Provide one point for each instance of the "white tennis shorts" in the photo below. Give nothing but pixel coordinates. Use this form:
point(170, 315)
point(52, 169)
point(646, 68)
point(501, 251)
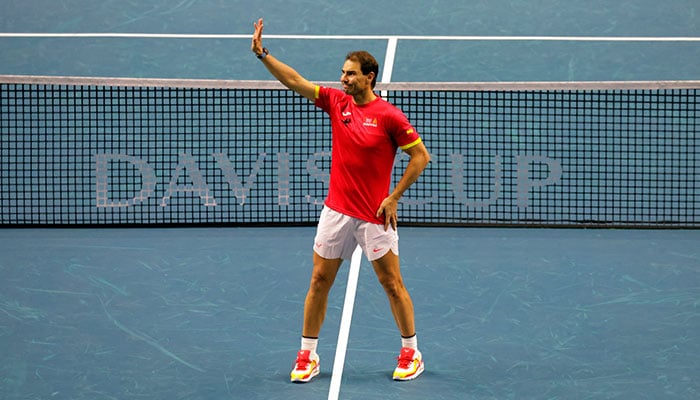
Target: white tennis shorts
point(338, 235)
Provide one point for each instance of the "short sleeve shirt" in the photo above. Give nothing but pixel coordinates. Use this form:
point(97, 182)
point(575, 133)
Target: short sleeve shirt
point(365, 142)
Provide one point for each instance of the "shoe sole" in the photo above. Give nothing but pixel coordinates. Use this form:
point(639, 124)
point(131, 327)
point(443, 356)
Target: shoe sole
point(411, 377)
point(315, 372)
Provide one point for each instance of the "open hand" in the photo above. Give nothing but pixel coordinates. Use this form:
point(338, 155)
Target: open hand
point(256, 46)
point(389, 208)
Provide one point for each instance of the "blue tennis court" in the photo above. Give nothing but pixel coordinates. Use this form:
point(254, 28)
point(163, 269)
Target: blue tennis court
point(637, 40)
point(215, 312)
point(203, 313)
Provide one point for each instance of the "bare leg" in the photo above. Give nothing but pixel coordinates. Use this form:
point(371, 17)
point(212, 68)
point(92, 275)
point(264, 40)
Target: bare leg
point(322, 278)
point(389, 274)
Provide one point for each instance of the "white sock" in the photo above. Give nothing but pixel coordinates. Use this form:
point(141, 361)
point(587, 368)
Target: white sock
point(309, 344)
point(410, 342)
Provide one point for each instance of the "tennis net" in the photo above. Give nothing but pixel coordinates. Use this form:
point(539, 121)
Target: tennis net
point(114, 151)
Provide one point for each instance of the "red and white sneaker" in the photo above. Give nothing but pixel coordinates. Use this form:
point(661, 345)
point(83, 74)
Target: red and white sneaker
point(410, 365)
point(306, 366)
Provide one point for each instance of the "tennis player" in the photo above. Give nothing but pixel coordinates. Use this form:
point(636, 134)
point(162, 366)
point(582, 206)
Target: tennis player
point(358, 209)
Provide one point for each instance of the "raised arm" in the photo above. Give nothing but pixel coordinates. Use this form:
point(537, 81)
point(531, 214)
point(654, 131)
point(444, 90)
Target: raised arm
point(283, 72)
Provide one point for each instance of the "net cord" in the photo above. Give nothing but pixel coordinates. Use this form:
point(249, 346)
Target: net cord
point(390, 86)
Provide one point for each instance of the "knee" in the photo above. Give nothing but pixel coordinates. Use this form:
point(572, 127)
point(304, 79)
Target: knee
point(320, 283)
point(393, 286)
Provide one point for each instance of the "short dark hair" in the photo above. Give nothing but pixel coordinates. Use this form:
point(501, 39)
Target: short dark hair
point(367, 63)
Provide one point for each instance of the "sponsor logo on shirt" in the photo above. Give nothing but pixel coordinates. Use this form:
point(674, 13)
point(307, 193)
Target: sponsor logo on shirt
point(346, 117)
point(370, 122)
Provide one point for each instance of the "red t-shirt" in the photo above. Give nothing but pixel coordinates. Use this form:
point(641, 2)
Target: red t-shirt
point(365, 141)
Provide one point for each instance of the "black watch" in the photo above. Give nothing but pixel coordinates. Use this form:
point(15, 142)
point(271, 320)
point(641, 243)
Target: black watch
point(264, 53)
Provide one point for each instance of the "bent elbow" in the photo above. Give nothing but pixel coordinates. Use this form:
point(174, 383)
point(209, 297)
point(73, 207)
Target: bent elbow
point(426, 157)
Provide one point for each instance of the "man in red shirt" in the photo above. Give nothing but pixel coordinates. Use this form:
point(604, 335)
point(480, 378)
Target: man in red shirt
point(359, 209)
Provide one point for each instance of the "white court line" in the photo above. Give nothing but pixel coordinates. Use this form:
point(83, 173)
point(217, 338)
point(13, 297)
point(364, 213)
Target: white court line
point(389, 60)
point(345, 321)
point(352, 37)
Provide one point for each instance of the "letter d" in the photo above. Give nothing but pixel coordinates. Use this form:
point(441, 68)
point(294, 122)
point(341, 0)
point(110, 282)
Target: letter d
point(102, 164)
